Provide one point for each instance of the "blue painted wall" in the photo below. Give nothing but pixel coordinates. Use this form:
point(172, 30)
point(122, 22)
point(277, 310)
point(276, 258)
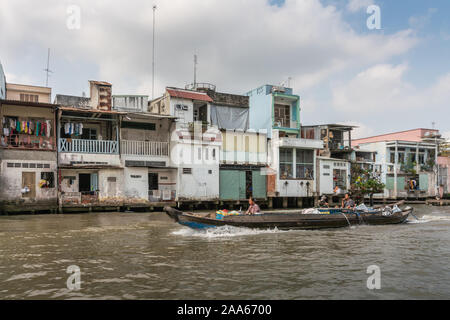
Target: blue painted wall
point(261, 109)
point(261, 100)
point(2, 83)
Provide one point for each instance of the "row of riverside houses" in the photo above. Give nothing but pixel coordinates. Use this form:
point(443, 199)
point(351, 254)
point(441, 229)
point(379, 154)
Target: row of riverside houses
point(193, 147)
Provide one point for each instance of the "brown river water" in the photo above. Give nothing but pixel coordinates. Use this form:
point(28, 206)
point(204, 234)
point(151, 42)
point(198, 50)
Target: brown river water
point(147, 256)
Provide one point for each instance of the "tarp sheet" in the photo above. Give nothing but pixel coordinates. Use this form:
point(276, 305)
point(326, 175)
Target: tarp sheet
point(230, 117)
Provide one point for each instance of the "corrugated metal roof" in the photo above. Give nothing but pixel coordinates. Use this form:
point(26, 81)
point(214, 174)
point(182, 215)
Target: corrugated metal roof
point(191, 95)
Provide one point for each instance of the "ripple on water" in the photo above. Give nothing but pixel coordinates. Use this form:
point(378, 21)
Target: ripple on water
point(24, 276)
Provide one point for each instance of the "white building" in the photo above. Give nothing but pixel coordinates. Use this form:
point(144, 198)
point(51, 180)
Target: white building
point(194, 144)
point(145, 153)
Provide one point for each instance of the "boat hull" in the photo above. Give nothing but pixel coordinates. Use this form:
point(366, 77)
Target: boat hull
point(288, 221)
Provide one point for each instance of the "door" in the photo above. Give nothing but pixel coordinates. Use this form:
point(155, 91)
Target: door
point(29, 181)
point(94, 182)
point(112, 181)
point(229, 184)
point(259, 185)
point(153, 183)
point(85, 182)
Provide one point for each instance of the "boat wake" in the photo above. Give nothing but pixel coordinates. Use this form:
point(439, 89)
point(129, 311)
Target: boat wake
point(224, 232)
point(430, 218)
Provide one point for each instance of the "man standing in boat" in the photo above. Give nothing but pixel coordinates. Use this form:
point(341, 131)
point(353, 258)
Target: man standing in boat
point(253, 208)
point(347, 202)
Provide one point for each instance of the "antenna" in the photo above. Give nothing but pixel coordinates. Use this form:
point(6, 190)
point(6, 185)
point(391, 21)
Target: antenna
point(47, 70)
point(153, 55)
point(195, 71)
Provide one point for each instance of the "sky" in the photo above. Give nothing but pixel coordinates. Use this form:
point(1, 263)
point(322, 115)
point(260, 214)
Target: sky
point(382, 80)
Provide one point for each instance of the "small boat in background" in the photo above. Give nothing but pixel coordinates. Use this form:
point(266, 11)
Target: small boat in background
point(317, 218)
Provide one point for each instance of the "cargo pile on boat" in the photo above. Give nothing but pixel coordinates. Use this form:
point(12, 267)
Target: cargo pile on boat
point(225, 213)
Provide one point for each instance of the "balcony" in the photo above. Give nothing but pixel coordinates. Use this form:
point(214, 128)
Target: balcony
point(300, 143)
point(88, 146)
point(145, 148)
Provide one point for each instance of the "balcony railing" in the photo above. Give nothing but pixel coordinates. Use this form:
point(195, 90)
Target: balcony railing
point(88, 146)
point(145, 148)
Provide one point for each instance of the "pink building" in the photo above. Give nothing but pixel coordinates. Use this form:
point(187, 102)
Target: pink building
point(414, 135)
point(444, 175)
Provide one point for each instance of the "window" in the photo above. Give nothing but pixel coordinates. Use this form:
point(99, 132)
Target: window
point(305, 164)
point(47, 180)
point(89, 134)
point(29, 97)
point(392, 157)
point(199, 150)
point(209, 171)
point(401, 157)
point(422, 158)
point(214, 154)
point(286, 164)
point(340, 179)
point(206, 154)
point(187, 170)
point(282, 115)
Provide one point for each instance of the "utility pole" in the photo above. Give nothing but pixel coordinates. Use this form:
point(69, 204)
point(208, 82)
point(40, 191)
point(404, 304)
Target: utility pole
point(153, 55)
point(47, 70)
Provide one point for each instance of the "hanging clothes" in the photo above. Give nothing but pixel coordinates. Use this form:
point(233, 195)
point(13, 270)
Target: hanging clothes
point(48, 128)
point(38, 126)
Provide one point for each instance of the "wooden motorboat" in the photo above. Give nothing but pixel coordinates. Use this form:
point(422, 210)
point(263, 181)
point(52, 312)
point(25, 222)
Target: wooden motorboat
point(323, 218)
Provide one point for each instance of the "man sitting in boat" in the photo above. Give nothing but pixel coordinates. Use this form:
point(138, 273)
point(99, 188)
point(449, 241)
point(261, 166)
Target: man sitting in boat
point(253, 208)
point(347, 202)
point(323, 203)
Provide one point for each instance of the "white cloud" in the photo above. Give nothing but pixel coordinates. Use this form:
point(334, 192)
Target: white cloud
point(356, 5)
point(241, 44)
point(383, 90)
point(362, 130)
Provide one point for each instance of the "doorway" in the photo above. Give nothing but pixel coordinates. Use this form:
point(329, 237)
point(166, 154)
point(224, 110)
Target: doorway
point(153, 184)
point(248, 184)
point(29, 181)
point(85, 182)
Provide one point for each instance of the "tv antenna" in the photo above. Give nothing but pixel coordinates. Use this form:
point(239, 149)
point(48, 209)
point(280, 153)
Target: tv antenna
point(47, 70)
point(195, 70)
point(153, 55)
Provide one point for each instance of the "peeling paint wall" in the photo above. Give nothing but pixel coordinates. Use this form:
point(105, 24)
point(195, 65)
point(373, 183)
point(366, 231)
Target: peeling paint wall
point(11, 179)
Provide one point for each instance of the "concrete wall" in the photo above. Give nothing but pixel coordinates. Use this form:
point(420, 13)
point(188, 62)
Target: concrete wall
point(136, 182)
point(243, 147)
point(261, 109)
point(325, 172)
point(14, 91)
point(107, 189)
point(130, 103)
point(203, 181)
point(13, 164)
